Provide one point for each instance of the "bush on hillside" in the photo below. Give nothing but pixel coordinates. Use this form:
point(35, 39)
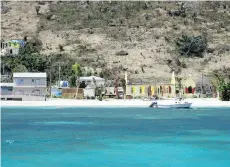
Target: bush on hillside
point(190, 46)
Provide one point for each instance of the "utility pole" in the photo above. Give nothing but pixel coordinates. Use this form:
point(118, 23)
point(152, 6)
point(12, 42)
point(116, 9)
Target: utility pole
point(50, 71)
point(126, 82)
point(59, 71)
point(59, 74)
point(50, 76)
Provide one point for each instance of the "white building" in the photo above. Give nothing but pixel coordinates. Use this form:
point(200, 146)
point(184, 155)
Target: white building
point(11, 47)
point(6, 88)
point(89, 80)
point(29, 84)
point(89, 92)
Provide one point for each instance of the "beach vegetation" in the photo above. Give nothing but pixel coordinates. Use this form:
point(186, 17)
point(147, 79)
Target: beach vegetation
point(225, 91)
point(221, 80)
point(99, 92)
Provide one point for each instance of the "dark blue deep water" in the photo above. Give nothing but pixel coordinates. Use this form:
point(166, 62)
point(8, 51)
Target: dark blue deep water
point(109, 137)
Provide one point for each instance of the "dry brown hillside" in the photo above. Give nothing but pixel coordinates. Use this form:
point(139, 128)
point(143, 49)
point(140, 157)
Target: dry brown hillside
point(137, 36)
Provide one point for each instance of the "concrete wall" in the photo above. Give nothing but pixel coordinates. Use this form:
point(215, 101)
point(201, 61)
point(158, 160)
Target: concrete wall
point(89, 92)
point(23, 98)
point(29, 91)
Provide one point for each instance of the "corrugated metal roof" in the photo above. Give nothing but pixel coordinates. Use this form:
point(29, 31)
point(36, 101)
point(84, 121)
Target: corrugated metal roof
point(29, 75)
point(7, 84)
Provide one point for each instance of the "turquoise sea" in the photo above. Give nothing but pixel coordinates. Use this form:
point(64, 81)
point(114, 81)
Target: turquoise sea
point(115, 137)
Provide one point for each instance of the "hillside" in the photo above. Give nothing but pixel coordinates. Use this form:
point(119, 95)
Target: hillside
point(135, 36)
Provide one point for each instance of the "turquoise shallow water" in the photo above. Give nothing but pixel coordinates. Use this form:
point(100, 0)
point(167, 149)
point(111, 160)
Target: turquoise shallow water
point(122, 137)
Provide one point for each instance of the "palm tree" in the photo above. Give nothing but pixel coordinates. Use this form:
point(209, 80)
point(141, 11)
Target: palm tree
point(78, 73)
point(123, 84)
point(218, 82)
point(179, 79)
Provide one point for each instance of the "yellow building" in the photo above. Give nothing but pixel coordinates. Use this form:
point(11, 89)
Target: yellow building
point(188, 87)
point(139, 90)
point(165, 90)
point(185, 86)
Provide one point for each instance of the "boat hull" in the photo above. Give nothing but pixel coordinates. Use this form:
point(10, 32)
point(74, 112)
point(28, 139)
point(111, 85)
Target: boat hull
point(184, 105)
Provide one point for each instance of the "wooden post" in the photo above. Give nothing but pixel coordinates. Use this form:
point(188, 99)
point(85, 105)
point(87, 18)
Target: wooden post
point(77, 88)
point(201, 85)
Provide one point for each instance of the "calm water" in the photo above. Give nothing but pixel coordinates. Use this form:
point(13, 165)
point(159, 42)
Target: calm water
point(131, 137)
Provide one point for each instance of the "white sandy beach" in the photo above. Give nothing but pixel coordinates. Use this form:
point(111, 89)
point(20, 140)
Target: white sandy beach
point(197, 103)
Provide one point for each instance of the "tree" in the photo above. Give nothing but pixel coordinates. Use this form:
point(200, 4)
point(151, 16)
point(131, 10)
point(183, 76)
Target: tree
point(77, 69)
point(123, 84)
point(190, 46)
point(77, 72)
point(99, 92)
point(20, 68)
point(222, 83)
point(73, 81)
point(179, 85)
point(225, 90)
point(82, 85)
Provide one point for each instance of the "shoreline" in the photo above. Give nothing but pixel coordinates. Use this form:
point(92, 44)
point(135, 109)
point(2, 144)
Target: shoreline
point(111, 103)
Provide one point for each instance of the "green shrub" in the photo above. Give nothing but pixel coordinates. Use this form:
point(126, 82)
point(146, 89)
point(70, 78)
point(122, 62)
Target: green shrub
point(190, 46)
point(225, 92)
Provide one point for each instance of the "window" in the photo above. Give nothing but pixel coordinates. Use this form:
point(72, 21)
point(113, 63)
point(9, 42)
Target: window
point(10, 89)
point(19, 81)
point(32, 80)
point(37, 81)
point(140, 90)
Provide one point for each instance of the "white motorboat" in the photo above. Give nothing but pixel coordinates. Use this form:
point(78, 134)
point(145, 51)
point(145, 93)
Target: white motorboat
point(171, 104)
